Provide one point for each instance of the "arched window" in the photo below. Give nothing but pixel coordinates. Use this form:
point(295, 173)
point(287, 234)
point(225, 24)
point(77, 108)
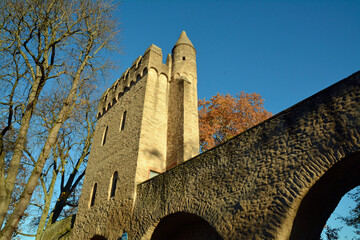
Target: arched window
point(104, 136)
point(122, 122)
point(145, 71)
point(93, 193)
point(113, 184)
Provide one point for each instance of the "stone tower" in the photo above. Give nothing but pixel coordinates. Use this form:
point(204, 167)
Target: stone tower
point(183, 137)
point(147, 123)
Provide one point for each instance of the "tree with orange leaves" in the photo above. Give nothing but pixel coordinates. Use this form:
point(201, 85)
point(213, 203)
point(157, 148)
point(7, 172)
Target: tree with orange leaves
point(224, 116)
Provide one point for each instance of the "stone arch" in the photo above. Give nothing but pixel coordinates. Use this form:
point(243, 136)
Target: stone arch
point(323, 197)
point(120, 94)
point(182, 225)
point(138, 77)
point(145, 71)
point(164, 76)
point(153, 70)
point(190, 206)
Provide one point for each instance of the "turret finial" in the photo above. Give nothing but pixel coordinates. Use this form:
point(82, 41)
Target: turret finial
point(183, 39)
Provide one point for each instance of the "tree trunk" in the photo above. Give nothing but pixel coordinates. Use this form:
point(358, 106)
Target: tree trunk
point(9, 183)
point(25, 198)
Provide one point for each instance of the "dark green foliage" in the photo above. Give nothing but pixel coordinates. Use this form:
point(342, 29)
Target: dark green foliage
point(331, 233)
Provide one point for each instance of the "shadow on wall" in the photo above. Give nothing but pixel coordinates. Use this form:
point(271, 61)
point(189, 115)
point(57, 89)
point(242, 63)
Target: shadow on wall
point(324, 196)
point(184, 226)
point(153, 152)
point(98, 237)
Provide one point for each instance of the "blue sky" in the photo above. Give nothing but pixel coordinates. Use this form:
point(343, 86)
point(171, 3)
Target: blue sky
point(284, 50)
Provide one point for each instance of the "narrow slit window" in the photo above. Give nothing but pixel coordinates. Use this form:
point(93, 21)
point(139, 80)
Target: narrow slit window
point(122, 122)
point(113, 184)
point(93, 193)
point(104, 136)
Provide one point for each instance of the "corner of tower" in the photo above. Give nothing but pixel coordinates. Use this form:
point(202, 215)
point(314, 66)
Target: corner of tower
point(153, 52)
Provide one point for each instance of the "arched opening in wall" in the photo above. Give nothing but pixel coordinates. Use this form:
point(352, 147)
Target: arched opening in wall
point(347, 209)
point(93, 194)
point(145, 72)
point(98, 237)
point(184, 226)
point(132, 83)
point(113, 185)
point(324, 196)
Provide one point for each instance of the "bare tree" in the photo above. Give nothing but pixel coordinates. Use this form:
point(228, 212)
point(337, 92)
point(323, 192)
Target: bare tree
point(68, 159)
point(43, 42)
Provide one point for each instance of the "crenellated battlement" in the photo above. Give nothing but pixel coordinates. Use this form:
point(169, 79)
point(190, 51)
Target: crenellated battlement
point(152, 59)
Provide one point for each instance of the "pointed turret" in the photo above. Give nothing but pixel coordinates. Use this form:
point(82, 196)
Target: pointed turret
point(183, 129)
point(183, 39)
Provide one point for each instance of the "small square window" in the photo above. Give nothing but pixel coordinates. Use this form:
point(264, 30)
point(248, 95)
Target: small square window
point(184, 58)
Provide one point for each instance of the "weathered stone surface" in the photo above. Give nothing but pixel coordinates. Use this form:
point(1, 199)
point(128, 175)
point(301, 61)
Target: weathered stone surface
point(278, 180)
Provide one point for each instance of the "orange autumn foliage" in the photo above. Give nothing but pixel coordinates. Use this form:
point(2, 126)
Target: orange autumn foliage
point(224, 116)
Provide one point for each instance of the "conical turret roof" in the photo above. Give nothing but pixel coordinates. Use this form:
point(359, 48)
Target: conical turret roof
point(183, 39)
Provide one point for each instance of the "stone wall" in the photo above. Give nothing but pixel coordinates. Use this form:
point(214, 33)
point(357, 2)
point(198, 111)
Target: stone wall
point(255, 185)
point(118, 154)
